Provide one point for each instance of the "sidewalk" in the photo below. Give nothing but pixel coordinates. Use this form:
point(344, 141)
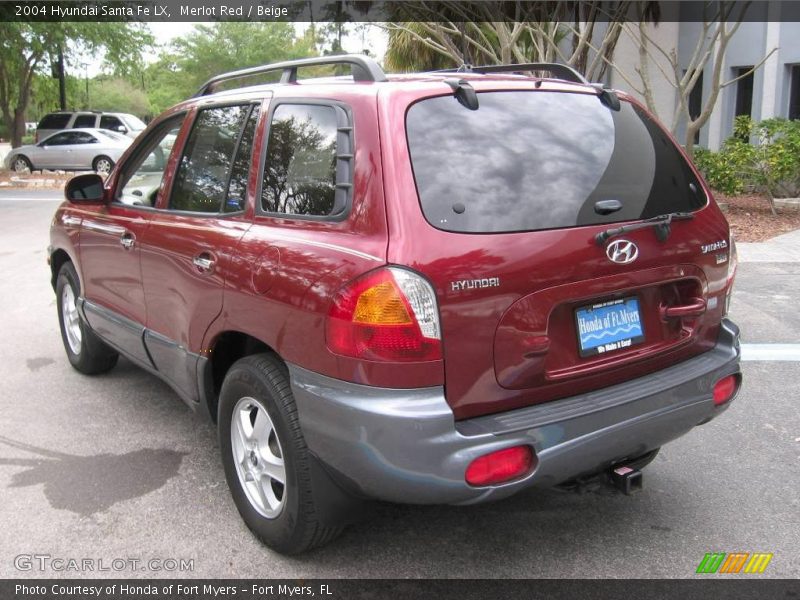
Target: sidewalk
point(782, 248)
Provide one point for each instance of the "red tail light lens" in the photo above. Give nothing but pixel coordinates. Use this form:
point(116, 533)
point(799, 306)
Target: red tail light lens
point(724, 389)
point(389, 315)
point(500, 466)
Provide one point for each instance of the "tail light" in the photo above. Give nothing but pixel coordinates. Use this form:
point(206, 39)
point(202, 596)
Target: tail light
point(387, 315)
point(733, 263)
point(500, 466)
point(725, 389)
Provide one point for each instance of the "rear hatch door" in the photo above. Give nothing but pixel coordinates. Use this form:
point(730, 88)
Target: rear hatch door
point(510, 199)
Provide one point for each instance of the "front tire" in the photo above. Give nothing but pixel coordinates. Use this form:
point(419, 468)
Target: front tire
point(85, 351)
point(276, 486)
point(21, 164)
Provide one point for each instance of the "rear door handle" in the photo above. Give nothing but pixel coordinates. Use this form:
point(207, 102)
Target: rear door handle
point(695, 308)
point(127, 240)
point(204, 262)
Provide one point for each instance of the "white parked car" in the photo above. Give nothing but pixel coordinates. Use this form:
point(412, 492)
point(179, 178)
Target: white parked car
point(71, 149)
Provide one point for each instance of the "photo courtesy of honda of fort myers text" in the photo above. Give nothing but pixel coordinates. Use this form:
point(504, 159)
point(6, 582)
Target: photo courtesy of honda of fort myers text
point(421, 299)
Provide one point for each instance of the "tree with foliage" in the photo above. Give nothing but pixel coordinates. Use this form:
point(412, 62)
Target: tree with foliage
point(510, 33)
point(211, 49)
point(571, 33)
point(720, 22)
point(28, 48)
point(115, 94)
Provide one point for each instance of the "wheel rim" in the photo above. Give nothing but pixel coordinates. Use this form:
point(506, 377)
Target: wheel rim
point(258, 457)
point(20, 165)
point(72, 326)
point(103, 166)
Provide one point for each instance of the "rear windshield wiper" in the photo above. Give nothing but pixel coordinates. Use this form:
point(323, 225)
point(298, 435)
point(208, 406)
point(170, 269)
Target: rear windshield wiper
point(661, 223)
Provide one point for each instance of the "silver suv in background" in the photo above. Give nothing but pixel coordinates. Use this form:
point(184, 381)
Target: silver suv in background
point(124, 123)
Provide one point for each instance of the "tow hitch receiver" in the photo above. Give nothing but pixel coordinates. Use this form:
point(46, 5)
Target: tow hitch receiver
point(627, 480)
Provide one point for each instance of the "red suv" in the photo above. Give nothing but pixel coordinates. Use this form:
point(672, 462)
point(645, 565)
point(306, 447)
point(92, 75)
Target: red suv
point(430, 288)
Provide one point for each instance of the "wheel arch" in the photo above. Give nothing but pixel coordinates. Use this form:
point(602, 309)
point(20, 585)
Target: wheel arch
point(58, 258)
point(222, 352)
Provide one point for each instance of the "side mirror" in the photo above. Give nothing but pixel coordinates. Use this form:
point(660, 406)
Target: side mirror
point(85, 188)
point(121, 129)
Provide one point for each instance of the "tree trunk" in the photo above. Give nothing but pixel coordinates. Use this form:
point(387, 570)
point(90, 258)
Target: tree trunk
point(18, 127)
point(688, 142)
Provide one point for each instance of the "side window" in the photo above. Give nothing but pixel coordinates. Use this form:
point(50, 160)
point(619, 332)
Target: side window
point(54, 121)
point(201, 180)
point(81, 137)
point(237, 188)
point(142, 175)
point(112, 123)
point(301, 174)
point(84, 121)
point(59, 139)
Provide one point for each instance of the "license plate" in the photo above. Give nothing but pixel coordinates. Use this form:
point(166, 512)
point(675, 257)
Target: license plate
point(608, 326)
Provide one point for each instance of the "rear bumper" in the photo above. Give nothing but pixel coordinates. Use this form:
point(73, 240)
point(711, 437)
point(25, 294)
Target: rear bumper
point(405, 446)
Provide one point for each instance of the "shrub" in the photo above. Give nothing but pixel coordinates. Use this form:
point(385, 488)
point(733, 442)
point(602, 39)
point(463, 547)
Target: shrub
point(761, 156)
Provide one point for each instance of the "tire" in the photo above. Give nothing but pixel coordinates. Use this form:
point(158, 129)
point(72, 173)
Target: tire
point(102, 165)
point(20, 164)
point(258, 424)
point(85, 351)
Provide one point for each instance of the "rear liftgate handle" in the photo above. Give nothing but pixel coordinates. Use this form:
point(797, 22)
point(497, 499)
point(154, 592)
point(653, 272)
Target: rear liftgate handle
point(695, 308)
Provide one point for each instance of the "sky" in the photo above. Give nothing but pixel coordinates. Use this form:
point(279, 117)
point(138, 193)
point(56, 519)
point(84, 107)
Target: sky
point(375, 39)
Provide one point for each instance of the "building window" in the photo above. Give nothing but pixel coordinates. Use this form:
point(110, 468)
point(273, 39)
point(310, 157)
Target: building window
point(744, 92)
point(794, 95)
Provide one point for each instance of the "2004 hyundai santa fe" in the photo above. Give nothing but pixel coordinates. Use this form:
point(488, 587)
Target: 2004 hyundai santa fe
point(429, 288)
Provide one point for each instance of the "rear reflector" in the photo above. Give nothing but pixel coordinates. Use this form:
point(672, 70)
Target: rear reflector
point(724, 389)
point(500, 466)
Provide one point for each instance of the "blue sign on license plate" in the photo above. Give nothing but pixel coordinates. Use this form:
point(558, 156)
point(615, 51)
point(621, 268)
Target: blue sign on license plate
point(609, 326)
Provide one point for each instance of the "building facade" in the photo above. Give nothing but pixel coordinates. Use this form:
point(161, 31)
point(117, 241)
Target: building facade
point(773, 90)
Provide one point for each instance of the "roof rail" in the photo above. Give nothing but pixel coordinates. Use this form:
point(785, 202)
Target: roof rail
point(557, 69)
point(363, 69)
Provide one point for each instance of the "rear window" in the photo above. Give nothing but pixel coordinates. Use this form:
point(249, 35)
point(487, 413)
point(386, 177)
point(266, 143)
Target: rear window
point(56, 121)
point(84, 121)
point(541, 160)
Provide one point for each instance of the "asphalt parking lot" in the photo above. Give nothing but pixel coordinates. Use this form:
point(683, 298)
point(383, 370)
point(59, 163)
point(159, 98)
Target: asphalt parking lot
point(117, 467)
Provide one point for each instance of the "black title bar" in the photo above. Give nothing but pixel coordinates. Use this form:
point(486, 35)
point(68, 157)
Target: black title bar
point(403, 10)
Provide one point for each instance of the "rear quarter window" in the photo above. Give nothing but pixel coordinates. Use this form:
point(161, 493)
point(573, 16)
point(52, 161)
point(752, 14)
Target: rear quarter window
point(528, 161)
point(57, 121)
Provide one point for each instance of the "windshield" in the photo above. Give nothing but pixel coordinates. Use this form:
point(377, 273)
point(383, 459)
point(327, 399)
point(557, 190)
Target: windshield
point(541, 160)
point(134, 123)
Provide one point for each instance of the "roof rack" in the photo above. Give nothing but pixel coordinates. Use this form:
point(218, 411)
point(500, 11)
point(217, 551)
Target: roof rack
point(557, 69)
point(362, 67)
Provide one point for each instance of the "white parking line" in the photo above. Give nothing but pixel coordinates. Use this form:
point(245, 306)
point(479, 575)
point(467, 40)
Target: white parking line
point(784, 352)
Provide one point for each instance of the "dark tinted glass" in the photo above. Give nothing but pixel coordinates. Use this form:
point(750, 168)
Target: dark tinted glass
point(60, 139)
point(112, 123)
point(83, 121)
point(81, 137)
point(202, 176)
point(55, 121)
point(237, 189)
point(300, 171)
point(541, 160)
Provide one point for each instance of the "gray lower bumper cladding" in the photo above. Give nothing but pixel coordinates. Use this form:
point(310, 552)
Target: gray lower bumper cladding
point(405, 446)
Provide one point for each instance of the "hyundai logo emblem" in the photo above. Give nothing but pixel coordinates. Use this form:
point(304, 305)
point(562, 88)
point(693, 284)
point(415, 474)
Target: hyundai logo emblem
point(622, 252)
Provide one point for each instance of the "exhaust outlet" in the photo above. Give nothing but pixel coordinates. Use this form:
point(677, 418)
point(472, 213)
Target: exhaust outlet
point(627, 480)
